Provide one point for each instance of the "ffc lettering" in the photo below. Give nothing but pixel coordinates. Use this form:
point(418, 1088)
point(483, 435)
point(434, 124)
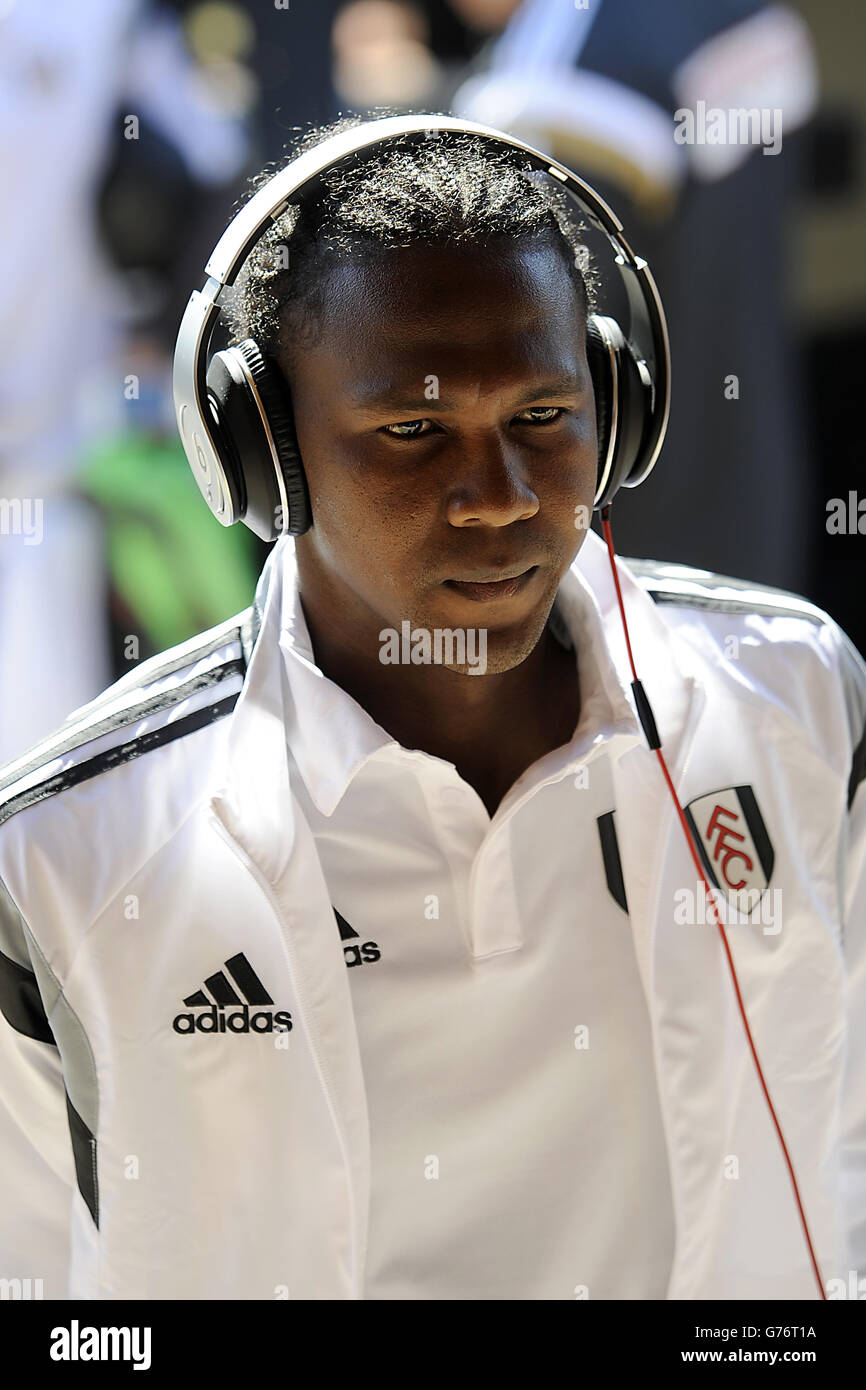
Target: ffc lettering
point(726, 833)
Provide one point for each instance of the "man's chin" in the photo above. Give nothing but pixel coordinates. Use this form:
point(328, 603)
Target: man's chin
point(489, 643)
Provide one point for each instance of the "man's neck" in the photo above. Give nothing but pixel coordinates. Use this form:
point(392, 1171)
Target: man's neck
point(491, 727)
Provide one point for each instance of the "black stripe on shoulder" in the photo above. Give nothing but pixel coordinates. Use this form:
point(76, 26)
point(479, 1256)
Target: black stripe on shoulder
point(155, 668)
point(121, 719)
point(660, 581)
point(727, 605)
point(76, 731)
point(115, 757)
point(858, 770)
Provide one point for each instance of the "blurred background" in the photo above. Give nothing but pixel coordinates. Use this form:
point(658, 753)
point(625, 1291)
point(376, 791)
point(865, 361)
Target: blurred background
point(128, 129)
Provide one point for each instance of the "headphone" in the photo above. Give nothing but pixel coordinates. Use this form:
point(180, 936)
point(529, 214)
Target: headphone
point(233, 408)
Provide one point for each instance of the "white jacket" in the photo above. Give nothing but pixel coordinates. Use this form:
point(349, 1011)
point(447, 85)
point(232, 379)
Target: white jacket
point(156, 832)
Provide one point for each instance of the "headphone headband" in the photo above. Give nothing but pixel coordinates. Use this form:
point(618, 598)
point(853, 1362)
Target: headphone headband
point(647, 330)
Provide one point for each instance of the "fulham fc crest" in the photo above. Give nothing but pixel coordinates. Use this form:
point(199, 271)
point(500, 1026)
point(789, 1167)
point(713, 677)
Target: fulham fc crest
point(735, 847)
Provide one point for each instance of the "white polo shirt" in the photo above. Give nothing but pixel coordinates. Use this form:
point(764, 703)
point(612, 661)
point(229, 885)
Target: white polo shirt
point(517, 1149)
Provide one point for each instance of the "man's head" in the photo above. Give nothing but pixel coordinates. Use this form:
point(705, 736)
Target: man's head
point(427, 311)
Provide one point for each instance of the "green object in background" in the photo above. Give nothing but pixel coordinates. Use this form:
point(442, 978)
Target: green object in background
point(173, 565)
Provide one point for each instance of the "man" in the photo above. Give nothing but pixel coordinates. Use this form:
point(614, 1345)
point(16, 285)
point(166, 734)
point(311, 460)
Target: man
point(357, 974)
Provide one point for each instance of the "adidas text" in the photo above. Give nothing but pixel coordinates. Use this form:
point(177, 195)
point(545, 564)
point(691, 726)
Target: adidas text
point(238, 1021)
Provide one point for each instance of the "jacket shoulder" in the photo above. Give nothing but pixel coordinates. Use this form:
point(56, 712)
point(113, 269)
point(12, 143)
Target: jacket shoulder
point(164, 699)
point(790, 650)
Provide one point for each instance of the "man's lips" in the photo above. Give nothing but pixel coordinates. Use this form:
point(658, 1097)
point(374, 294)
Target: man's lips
point(487, 590)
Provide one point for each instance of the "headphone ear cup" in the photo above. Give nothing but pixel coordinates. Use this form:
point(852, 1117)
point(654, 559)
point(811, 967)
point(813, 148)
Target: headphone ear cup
point(598, 357)
point(623, 399)
point(251, 404)
point(276, 401)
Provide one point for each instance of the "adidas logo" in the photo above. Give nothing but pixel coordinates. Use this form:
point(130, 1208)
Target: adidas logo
point(213, 1019)
point(355, 954)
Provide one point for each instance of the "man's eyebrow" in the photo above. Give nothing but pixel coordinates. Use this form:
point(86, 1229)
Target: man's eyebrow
point(376, 400)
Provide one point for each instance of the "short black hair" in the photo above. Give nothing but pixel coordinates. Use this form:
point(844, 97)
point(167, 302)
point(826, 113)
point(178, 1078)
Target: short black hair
point(435, 191)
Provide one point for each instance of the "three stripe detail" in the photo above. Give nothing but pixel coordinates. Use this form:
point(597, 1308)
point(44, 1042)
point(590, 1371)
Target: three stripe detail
point(223, 991)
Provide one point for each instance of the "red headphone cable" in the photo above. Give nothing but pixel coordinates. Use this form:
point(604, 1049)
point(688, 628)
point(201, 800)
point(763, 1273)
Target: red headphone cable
point(648, 724)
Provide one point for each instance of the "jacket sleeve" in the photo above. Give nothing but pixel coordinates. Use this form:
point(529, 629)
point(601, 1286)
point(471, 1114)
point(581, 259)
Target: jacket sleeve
point(37, 1171)
point(853, 1134)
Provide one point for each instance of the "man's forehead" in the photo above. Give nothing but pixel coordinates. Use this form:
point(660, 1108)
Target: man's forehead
point(416, 288)
point(522, 316)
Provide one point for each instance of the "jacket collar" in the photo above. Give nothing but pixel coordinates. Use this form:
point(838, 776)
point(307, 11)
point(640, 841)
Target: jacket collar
point(331, 736)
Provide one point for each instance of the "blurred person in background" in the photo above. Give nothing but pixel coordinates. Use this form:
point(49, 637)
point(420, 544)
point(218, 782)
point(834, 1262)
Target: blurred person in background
point(603, 87)
point(383, 56)
point(72, 81)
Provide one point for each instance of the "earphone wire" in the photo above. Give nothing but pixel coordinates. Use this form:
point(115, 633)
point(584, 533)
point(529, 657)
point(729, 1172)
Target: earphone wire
point(649, 727)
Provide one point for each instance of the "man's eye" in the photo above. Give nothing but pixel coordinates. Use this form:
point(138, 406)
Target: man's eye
point(407, 429)
point(549, 414)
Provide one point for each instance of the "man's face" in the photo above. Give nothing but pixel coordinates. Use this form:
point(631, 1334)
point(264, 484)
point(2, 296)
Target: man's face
point(446, 420)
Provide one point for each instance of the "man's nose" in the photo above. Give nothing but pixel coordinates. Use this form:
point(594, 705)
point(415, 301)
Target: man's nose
point(491, 486)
